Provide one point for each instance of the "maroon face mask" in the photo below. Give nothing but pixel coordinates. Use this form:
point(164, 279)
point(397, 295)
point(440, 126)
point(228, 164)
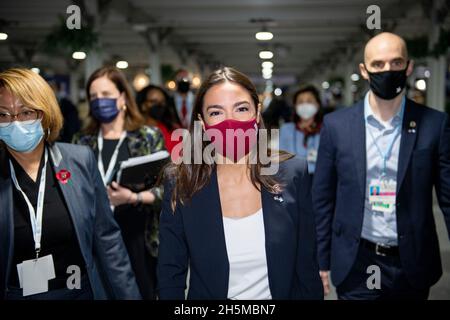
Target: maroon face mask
point(232, 138)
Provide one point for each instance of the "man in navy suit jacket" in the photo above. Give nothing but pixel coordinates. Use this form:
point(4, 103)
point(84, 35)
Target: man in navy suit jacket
point(378, 162)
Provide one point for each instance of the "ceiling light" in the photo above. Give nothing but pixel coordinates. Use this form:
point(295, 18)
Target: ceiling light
point(79, 55)
point(122, 64)
point(264, 35)
point(267, 64)
point(266, 54)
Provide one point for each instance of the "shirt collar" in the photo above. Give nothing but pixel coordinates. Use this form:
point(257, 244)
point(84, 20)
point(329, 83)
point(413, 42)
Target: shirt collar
point(370, 117)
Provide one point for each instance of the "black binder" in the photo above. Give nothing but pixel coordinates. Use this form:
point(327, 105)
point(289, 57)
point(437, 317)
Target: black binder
point(141, 173)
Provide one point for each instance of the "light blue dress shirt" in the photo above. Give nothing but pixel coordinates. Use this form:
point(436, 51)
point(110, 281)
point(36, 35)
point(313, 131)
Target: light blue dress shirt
point(381, 227)
point(291, 140)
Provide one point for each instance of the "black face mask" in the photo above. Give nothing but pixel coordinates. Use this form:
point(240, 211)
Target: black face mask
point(387, 84)
point(156, 111)
point(183, 86)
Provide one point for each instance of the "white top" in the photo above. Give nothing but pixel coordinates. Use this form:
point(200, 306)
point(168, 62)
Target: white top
point(246, 248)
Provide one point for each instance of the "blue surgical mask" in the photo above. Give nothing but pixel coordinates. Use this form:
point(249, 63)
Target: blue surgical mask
point(22, 136)
point(104, 109)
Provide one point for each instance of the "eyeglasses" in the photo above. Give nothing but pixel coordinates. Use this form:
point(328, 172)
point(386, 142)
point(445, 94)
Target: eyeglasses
point(27, 115)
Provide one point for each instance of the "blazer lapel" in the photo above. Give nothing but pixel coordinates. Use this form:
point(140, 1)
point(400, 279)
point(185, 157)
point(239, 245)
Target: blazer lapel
point(6, 219)
point(210, 222)
point(271, 214)
point(410, 128)
point(68, 189)
point(358, 137)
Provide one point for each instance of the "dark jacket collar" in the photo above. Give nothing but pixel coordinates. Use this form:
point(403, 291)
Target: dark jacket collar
point(411, 117)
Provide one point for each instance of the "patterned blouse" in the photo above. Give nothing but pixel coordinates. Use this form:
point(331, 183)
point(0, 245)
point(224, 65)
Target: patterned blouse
point(141, 142)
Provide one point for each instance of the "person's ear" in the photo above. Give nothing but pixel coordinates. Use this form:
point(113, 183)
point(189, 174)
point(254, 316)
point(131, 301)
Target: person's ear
point(410, 68)
point(121, 102)
point(363, 71)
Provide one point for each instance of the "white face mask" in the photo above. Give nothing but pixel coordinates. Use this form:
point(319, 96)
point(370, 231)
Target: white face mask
point(306, 110)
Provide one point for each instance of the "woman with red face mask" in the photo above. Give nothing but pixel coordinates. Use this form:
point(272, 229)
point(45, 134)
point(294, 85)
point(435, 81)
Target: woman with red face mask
point(244, 230)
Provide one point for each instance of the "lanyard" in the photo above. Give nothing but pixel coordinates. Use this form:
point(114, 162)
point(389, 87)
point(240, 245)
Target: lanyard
point(35, 216)
point(307, 148)
point(112, 163)
point(385, 155)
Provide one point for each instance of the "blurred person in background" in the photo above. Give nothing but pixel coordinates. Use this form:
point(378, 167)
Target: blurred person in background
point(183, 97)
point(302, 136)
point(72, 123)
point(116, 132)
point(158, 111)
point(277, 113)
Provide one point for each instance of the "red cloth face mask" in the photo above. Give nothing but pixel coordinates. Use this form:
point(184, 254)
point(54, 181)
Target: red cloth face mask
point(234, 137)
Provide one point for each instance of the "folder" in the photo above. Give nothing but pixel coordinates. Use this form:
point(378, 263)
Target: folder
point(141, 173)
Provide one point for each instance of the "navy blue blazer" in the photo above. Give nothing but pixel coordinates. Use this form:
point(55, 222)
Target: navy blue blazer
point(107, 263)
point(340, 185)
point(194, 236)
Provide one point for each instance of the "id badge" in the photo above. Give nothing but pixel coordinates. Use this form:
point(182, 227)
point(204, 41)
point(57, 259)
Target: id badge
point(382, 195)
point(34, 275)
point(312, 155)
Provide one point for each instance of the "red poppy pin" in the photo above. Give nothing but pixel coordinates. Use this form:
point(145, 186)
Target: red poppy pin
point(63, 176)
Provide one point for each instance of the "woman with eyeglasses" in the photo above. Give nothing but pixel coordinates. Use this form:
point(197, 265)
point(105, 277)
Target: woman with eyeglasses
point(58, 236)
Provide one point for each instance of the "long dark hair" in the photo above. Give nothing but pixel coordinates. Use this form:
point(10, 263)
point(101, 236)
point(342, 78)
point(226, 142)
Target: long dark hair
point(169, 117)
point(133, 118)
point(190, 178)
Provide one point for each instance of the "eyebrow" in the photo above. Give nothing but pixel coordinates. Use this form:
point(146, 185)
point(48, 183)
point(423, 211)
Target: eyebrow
point(214, 106)
point(217, 106)
point(7, 108)
point(392, 60)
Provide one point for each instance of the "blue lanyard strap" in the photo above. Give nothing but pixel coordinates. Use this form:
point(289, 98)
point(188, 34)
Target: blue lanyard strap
point(385, 156)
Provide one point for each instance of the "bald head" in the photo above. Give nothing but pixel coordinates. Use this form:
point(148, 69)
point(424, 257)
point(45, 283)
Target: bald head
point(386, 51)
point(385, 45)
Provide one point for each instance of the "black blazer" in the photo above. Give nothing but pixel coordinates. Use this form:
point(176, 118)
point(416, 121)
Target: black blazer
point(194, 236)
point(340, 186)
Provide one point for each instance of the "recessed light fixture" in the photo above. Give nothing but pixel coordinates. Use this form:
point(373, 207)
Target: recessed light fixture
point(264, 35)
point(79, 55)
point(122, 64)
point(266, 54)
point(267, 64)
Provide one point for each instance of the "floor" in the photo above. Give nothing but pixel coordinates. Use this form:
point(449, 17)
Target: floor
point(441, 290)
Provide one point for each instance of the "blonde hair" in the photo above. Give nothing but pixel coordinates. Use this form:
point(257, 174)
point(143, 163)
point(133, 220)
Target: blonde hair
point(34, 92)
